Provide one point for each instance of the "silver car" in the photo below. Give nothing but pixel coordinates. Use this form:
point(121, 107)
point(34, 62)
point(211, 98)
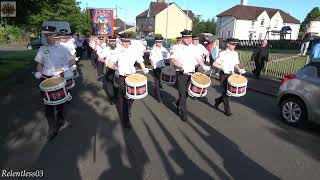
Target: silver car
point(299, 95)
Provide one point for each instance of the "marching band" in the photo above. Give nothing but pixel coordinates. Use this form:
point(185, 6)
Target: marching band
point(115, 60)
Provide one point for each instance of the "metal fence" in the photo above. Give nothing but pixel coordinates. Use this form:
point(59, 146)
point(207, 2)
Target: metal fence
point(278, 66)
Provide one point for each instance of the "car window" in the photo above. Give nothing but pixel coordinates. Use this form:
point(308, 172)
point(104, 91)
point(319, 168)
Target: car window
point(308, 71)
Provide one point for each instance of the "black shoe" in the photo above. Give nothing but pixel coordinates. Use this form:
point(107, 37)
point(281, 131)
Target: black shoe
point(216, 104)
point(183, 118)
point(159, 99)
point(127, 125)
point(178, 108)
point(52, 135)
point(228, 114)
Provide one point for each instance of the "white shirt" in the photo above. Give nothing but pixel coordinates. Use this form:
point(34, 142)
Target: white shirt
point(200, 50)
point(69, 47)
point(79, 42)
point(111, 55)
point(158, 55)
point(186, 56)
point(228, 59)
point(138, 45)
point(53, 58)
point(126, 58)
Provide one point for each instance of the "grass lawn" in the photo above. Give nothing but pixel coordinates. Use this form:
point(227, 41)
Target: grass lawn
point(22, 56)
point(14, 61)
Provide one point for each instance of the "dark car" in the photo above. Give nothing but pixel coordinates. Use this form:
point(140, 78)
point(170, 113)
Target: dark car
point(35, 44)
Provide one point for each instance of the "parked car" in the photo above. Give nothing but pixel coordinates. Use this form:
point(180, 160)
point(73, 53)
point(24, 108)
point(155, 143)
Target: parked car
point(299, 96)
point(35, 44)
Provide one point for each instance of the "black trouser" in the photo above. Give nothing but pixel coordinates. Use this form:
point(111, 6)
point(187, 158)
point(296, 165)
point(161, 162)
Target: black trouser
point(259, 66)
point(108, 84)
point(49, 113)
point(93, 57)
point(183, 82)
point(100, 67)
point(157, 82)
point(224, 97)
point(79, 52)
point(88, 48)
point(125, 104)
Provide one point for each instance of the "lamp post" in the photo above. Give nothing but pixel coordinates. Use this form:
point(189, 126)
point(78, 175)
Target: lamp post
point(167, 22)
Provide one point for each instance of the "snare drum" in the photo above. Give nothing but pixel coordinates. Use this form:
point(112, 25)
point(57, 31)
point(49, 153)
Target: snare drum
point(136, 86)
point(68, 75)
point(237, 85)
point(199, 84)
point(54, 91)
point(168, 75)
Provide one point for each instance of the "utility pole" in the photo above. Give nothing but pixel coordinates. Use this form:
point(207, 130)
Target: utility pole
point(167, 22)
point(116, 15)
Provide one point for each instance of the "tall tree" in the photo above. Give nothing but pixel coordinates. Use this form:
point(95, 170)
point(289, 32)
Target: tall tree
point(315, 12)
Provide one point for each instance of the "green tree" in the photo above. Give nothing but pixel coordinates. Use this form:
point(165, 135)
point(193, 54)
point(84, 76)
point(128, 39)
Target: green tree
point(314, 13)
point(203, 26)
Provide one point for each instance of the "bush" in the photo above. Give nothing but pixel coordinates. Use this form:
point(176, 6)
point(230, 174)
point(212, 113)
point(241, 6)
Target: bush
point(10, 34)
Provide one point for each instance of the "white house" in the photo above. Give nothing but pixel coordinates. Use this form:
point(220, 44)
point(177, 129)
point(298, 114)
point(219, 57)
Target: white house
point(315, 26)
point(253, 23)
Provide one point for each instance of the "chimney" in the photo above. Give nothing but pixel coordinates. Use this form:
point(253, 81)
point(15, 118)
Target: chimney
point(244, 2)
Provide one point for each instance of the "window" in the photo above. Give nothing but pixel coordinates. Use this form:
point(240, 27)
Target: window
point(276, 23)
point(222, 33)
point(250, 36)
point(308, 71)
point(262, 22)
point(260, 36)
point(229, 34)
point(252, 23)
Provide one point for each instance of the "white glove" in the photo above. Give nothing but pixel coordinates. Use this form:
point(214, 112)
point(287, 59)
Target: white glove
point(242, 71)
point(38, 75)
point(73, 67)
point(145, 70)
point(133, 70)
point(76, 59)
point(65, 68)
point(206, 68)
point(68, 74)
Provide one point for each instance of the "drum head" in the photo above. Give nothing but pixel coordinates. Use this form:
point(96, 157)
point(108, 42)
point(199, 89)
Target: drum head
point(237, 79)
point(51, 82)
point(200, 78)
point(136, 79)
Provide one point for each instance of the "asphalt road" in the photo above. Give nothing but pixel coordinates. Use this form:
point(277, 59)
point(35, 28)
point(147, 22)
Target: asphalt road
point(250, 145)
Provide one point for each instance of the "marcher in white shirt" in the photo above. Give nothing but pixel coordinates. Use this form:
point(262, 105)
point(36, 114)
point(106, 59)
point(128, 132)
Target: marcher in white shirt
point(199, 49)
point(108, 83)
point(79, 43)
point(184, 58)
point(52, 59)
point(158, 55)
point(127, 57)
point(227, 62)
point(101, 52)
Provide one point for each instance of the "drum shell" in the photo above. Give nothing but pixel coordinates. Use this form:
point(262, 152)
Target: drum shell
point(136, 87)
point(54, 95)
point(202, 87)
point(238, 92)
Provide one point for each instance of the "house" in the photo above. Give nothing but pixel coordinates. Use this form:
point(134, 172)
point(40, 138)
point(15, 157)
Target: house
point(163, 18)
point(120, 26)
point(315, 26)
point(253, 23)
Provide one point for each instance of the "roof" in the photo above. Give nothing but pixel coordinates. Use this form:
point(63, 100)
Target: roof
point(119, 25)
point(156, 7)
point(316, 19)
point(253, 12)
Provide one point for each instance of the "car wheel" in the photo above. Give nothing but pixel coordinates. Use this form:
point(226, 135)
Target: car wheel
point(293, 111)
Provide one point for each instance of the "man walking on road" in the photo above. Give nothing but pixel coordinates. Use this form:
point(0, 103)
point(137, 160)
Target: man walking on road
point(260, 56)
point(305, 42)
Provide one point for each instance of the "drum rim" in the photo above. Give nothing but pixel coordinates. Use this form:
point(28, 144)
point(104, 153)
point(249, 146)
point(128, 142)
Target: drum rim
point(201, 85)
point(73, 84)
point(144, 82)
point(61, 101)
point(52, 88)
point(238, 85)
point(137, 96)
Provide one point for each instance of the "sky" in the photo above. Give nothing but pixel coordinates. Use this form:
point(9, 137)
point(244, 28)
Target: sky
point(129, 9)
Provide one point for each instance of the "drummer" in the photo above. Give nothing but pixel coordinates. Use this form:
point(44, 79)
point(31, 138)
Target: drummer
point(52, 60)
point(227, 62)
point(199, 49)
point(110, 54)
point(158, 55)
point(184, 59)
point(127, 56)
